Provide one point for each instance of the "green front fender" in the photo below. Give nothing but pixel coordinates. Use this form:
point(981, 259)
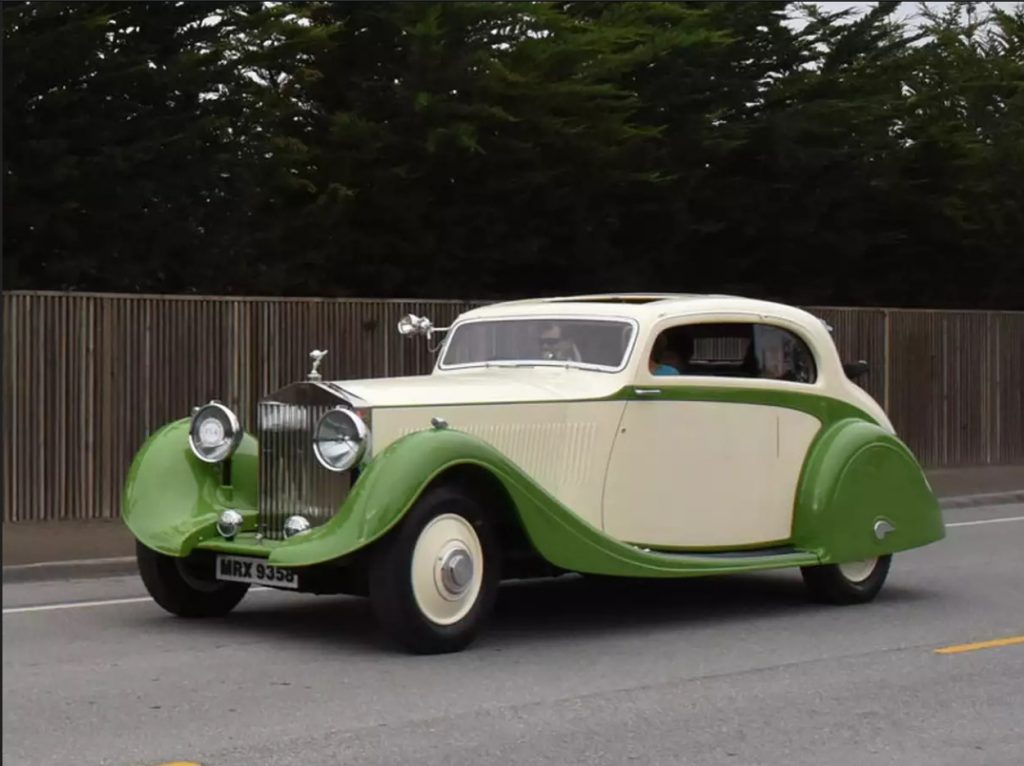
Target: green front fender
point(172, 499)
point(855, 476)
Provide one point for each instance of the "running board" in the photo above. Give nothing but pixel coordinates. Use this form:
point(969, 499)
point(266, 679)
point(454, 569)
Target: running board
point(691, 563)
point(784, 550)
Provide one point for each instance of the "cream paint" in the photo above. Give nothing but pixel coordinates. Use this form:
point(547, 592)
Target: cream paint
point(705, 474)
point(563, 446)
point(735, 475)
point(502, 385)
point(666, 310)
point(493, 386)
point(831, 380)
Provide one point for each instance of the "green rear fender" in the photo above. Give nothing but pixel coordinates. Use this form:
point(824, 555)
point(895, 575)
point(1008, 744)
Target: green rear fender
point(172, 499)
point(855, 476)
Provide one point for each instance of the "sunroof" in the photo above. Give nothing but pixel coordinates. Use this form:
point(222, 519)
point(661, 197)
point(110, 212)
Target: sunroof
point(635, 299)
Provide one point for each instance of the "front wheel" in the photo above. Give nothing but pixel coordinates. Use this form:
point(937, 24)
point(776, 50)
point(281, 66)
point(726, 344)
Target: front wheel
point(434, 580)
point(854, 582)
point(185, 587)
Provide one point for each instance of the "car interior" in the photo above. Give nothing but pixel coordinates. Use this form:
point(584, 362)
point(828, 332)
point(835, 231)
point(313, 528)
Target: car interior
point(734, 349)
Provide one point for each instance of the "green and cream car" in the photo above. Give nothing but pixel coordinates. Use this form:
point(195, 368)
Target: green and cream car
point(634, 436)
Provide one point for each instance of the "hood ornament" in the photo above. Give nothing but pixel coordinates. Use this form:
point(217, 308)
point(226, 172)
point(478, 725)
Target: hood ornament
point(317, 357)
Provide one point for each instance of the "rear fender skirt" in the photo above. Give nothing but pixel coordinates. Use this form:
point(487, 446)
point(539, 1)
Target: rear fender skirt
point(862, 494)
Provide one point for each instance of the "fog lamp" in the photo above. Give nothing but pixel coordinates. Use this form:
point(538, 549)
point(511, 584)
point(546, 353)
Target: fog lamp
point(229, 523)
point(296, 525)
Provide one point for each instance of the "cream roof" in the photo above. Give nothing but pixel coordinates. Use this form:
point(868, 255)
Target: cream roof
point(643, 307)
point(649, 308)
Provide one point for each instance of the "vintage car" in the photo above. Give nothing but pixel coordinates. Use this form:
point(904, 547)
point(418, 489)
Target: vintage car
point(630, 436)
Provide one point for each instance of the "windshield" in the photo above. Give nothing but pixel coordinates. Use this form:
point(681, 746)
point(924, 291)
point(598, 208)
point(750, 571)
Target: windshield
point(600, 343)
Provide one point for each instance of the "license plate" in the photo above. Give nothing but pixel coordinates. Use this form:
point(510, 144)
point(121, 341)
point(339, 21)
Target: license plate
point(253, 570)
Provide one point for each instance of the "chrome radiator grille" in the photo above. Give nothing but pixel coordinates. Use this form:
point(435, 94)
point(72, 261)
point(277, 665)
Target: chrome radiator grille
point(292, 481)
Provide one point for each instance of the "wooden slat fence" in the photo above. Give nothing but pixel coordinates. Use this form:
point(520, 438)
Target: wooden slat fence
point(87, 376)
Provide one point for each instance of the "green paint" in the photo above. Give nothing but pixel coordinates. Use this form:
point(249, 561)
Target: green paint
point(243, 545)
point(171, 499)
point(824, 408)
point(855, 474)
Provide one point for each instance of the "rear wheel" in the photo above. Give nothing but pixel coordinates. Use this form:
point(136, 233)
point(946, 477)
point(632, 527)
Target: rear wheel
point(186, 586)
point(853, 582)
point(434, 579)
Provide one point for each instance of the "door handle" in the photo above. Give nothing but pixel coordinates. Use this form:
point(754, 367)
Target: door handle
point(647, 391)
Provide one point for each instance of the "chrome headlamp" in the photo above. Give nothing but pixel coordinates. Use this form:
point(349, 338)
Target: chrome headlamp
point(340, 439)
point(214, 433)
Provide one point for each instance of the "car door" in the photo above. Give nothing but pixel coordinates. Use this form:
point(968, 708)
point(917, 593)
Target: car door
point(708, 458)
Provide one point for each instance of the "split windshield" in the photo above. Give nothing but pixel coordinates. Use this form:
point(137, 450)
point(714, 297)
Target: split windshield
point(597, 343)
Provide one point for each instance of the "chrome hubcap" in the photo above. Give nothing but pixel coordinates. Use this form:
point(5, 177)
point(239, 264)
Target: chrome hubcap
point(456, 570)
point(447, 569)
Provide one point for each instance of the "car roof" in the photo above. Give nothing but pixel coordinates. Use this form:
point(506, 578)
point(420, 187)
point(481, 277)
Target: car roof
point(643, 307)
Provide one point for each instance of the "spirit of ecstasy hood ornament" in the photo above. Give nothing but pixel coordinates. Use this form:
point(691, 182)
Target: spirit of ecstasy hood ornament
point(317, 357)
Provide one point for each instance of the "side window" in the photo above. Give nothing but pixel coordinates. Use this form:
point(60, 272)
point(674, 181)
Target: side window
point(733, 349)
point(781, 355)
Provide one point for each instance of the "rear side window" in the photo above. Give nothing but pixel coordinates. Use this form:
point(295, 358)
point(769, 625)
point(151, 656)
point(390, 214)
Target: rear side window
point(733, 349)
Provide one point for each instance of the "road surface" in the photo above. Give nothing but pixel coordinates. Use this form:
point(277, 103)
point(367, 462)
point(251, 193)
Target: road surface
point(733, 670)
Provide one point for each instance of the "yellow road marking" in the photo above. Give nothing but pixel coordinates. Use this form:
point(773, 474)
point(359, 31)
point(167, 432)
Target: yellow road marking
point(1009, 641)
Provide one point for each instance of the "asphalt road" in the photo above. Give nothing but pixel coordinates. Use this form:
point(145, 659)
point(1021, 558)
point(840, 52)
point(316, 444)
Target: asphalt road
point(734, 670)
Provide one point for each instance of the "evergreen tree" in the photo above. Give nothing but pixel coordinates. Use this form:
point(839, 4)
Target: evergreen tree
point(493, 149)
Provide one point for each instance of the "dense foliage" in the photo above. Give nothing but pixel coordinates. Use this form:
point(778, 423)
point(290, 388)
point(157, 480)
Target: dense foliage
point(500, 149)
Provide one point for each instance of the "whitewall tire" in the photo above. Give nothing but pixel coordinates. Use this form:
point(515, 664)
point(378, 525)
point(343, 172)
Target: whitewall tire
point(434, 578)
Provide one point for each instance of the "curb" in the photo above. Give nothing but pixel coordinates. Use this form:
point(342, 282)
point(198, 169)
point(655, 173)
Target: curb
point(989, 498)
point(123, 566)
point(77, 569)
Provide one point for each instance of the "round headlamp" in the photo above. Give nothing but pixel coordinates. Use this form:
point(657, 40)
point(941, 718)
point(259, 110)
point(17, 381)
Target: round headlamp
point(340, 439)
point(214, 433)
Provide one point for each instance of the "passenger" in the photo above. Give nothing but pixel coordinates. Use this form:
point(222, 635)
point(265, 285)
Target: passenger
point(660, 368)
point(668, 364)
point(671, 363)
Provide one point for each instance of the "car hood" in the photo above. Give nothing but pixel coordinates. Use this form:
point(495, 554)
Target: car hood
point(492, 385)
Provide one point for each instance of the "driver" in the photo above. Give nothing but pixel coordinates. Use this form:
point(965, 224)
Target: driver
point(554, 346)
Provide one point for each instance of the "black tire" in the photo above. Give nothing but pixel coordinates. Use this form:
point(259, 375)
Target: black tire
point(827, 583)
point(391, 578)
point(186, 587)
